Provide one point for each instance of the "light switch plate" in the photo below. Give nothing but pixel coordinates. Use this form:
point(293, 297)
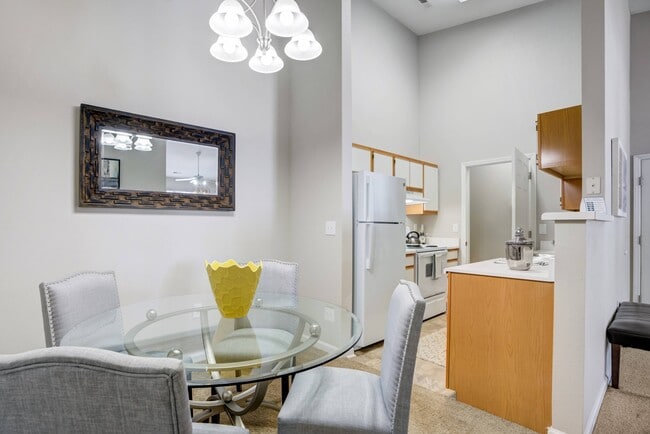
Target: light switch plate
point(330, 227)
point(593, 185)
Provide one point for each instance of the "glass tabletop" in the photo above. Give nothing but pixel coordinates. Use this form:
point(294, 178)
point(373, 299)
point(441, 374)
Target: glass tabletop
point(280, 335)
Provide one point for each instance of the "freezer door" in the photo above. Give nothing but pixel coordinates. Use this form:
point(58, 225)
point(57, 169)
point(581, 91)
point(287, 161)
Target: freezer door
point(379, 198)
point(378, 267)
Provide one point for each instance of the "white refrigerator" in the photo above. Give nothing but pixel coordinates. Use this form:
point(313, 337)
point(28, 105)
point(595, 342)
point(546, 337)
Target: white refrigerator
point(379, 213)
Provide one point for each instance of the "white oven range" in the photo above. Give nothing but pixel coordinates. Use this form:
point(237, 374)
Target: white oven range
point(430, 263)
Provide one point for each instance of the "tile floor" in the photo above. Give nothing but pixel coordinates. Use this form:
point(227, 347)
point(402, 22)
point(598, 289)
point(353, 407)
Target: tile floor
point(427, 374)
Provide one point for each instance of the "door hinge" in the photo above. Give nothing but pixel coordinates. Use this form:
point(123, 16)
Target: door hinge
point(530, 234)
point(639, 241)
point(641, 181)
point(530, 175)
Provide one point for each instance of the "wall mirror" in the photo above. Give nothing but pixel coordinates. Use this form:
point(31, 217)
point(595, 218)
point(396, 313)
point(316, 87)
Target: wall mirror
point(134, 161)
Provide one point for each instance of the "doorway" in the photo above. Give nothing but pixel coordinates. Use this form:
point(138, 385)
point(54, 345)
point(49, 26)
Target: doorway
point(641, 230)
point(497, 195)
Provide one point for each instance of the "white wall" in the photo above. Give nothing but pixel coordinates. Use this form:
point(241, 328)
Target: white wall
point(640, 84)
point(320, 188)
point(384, 81)
point(147, 57)
point(606, 114)
point(482, 85)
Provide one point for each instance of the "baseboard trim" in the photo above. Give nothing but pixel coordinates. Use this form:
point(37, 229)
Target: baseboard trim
point(593, 415)
point(551, 430)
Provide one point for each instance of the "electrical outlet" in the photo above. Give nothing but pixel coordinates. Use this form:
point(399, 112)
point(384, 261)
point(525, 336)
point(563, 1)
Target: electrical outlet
point(330, 228)
point(593, 185)
point(542, 229)
point(454, 228)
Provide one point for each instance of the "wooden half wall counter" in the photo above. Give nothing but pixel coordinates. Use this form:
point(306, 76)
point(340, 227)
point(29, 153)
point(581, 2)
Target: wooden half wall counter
point(421, 176)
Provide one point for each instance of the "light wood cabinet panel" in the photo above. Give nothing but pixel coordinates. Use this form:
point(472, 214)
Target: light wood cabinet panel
point(500, 346)
point(431, 188)
point(571, 194)
point(382, 163)
point(559, 141)
point(361, 159)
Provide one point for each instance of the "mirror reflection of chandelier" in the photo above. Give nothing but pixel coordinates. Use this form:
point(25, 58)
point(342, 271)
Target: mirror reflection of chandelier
point(126, 141)
point(232, 23)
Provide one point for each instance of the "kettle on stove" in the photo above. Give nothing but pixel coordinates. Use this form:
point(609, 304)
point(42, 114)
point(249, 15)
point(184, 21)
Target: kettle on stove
point(413, 238)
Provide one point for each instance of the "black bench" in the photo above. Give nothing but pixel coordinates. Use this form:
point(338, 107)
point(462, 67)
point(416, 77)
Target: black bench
point(630, 327)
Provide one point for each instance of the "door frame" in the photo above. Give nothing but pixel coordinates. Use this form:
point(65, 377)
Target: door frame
point(636, 227)
point(465, 206)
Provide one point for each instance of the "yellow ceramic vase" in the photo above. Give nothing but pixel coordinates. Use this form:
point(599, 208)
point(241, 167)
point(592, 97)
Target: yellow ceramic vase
point(233, 286)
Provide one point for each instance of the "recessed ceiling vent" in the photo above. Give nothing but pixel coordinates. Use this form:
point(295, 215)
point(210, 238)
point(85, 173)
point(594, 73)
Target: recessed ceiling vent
point(426, 3)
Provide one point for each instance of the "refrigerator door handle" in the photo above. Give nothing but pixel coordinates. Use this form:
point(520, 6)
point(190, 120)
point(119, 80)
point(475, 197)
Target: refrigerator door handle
point(369, 202)
point(370, 235)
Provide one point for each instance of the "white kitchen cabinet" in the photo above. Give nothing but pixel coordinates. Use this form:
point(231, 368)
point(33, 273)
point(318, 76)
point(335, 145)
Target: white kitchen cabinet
point(415, 175)
point(360, 159)
point(410, 171)
point(402, 169)
point(383, 163)
point(431, 188)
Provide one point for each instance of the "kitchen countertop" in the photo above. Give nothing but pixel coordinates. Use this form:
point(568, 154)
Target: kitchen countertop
point(498, 268)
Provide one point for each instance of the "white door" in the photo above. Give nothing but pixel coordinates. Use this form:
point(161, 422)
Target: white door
point(521, 193)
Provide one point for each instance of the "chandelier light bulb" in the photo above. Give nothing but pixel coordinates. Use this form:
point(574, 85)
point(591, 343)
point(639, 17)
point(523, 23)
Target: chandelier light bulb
point(231, 20)
point(303, 47)
point(266, 62)
point(228, 49)
point(229, 46)
point(286, 20)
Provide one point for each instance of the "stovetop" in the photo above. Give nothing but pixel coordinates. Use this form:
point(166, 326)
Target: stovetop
point(423, 247)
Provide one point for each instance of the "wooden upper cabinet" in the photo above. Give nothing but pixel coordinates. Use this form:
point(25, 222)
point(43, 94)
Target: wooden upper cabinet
point(559, 142)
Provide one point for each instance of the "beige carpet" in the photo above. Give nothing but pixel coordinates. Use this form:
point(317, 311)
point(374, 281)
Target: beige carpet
point(433, 347)
point(627, 410)
point(430, 412)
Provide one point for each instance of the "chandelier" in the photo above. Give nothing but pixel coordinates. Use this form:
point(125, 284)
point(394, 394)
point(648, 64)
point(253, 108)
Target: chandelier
point(232, 23)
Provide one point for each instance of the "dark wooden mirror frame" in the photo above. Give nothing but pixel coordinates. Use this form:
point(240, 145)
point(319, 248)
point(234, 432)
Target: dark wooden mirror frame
point(94, 119)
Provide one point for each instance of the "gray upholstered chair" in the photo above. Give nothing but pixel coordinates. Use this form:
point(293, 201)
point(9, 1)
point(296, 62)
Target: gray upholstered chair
point(68, 302)
point(338, 400)
point(88, 390)
point(279, 278)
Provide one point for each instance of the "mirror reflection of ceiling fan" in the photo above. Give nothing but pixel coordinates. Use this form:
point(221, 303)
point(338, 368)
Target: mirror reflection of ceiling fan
point(197, 179)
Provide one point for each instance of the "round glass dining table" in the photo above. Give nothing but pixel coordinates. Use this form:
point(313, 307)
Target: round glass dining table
point(281, 335)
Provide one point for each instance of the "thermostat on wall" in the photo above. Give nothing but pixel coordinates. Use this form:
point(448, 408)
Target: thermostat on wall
point(596, 204)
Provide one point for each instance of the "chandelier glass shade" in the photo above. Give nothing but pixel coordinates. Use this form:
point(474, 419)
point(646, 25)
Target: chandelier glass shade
point(232, 21)
point(125, 141)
